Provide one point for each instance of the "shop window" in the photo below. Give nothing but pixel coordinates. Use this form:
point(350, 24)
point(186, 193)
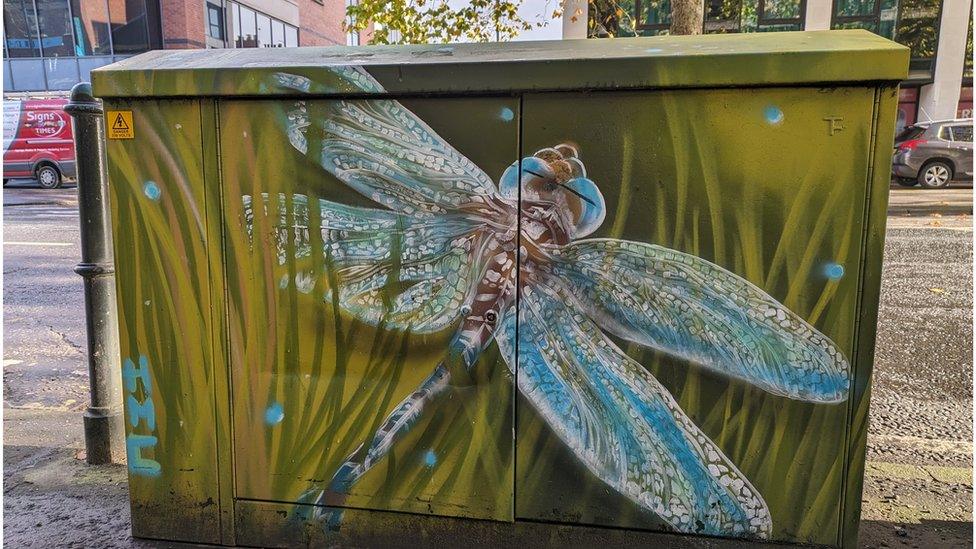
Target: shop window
point(291, 36)
point(130, 26)
point(653, 16)
point(264, 31)
point(967, 65)
point(91, 27)
point(54, 23)
point(277, 34)
point(248, 37)
point(352, 37)
point(20, 29)
point(913, 23)
point(722, 16)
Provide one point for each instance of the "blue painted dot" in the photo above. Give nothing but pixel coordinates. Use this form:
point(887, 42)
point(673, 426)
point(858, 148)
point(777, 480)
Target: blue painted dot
point(834, 271)
point(507, 114)
point(151, 189)
point(773, 114)
point(274, 414)
point(430, 458)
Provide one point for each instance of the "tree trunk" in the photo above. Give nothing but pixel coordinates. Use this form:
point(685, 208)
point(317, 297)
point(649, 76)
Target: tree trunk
point(687, 16)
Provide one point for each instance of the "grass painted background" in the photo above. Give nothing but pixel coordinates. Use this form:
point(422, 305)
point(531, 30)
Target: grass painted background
point(334, 378)
point(748, 179)
point(162, 268)
point(753, 181)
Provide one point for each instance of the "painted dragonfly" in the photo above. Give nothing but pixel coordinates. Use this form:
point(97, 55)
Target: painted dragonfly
point(511, 264)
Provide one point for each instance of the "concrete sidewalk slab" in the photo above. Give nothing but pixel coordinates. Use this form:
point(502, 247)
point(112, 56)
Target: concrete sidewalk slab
point(916, 201)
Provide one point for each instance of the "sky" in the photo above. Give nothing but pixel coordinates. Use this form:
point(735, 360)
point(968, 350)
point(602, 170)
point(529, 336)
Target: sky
point(533, 11)
point(539, 11)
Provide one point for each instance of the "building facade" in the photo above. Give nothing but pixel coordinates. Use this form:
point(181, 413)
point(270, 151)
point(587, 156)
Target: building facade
point(938, 32)
point(50, 45)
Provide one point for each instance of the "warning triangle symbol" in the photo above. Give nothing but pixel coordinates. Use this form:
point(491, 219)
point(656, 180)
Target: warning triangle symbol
point(119, 123)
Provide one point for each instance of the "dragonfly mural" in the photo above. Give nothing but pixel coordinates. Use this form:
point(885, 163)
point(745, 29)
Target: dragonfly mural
point(444, 247)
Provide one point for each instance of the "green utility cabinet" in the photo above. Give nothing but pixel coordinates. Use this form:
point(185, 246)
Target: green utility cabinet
point(503, 293)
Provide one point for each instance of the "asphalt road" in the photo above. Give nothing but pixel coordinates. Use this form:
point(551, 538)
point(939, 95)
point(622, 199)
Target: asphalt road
point(918, 485)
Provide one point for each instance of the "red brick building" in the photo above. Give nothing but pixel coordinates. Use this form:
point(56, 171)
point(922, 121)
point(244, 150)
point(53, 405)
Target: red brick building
point(50, 45)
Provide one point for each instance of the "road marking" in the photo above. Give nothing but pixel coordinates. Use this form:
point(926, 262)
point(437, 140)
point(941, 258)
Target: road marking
point(919, 443)
point(19, 243)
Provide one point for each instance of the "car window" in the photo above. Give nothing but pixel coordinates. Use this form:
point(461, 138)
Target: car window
point(962, 133)
point(910, 132)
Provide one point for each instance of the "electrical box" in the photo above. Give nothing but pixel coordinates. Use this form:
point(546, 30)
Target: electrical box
point(599, 289)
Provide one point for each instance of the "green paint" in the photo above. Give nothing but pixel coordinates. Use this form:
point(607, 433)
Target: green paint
point(261, 390)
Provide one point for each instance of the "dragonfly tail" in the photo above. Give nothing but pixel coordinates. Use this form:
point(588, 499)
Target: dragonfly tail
point(396, 425)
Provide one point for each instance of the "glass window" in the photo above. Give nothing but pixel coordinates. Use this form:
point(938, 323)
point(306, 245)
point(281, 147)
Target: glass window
point(130, 26)
point(215, 21)
point(61, 74)
point(28, 74)
point(291, 36)
point(918, 28)
point(913, 23)
point(20, 29)
point(249, 32)
point(277, 33)
point(722, 15)
point(854, 8)
point(235, 11)
point(352, 37)
point(962, 133)
point(90, 23)
point(910, 132)
point(653, 15)
point(55, 27)
point(781, 9)
point(264, 31)
point(967, 65)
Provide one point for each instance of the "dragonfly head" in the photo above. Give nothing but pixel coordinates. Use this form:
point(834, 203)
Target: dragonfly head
point(557, 175)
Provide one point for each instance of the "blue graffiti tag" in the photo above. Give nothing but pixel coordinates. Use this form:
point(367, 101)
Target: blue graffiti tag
point(140, 411)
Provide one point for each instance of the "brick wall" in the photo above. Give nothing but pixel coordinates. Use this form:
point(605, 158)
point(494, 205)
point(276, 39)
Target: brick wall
point(321, 24)
point(183, 24)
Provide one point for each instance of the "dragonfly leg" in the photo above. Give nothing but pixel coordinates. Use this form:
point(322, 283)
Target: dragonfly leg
point(397, 424)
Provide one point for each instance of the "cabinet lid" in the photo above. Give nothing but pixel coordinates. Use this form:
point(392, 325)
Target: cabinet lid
point(716, 60)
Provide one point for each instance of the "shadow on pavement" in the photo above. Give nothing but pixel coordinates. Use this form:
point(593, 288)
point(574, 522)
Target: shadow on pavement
point(925, 534)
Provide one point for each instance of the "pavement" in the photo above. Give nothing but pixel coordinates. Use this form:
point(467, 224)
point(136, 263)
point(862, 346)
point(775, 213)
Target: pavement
point(918, 479)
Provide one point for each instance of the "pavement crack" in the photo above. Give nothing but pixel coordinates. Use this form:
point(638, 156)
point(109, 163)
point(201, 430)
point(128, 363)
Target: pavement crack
point(64, 337)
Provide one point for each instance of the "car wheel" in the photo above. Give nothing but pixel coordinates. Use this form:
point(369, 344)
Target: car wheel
point(48, 177)
point(935, 175)
point(906, 181)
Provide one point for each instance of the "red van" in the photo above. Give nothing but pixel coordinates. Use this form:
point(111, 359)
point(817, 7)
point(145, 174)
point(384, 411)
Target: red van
point(37, 141)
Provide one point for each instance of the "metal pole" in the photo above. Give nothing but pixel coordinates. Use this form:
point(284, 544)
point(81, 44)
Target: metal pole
point(104, 427)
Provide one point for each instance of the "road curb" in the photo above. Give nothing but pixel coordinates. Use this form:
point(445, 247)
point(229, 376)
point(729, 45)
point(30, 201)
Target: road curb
point(40, 203)
point(924, 210)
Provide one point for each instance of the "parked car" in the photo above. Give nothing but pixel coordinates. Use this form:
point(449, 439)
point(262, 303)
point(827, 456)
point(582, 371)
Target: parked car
point(37, 141)
point(932, 154)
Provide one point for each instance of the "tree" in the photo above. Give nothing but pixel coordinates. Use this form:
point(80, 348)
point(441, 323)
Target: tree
point(436, 22)
point(687, 16)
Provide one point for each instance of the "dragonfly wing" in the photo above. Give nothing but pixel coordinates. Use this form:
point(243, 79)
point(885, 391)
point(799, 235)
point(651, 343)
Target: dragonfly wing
point(698, 311)
point(621, 422)
point(380, 266)
point(383, 151)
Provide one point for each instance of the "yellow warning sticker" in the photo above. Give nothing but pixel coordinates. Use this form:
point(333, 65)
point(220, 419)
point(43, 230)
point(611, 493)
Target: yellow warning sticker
point(120, 125)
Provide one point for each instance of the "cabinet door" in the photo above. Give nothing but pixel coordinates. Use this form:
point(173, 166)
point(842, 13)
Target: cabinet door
point(351, 255)
point(685, 352)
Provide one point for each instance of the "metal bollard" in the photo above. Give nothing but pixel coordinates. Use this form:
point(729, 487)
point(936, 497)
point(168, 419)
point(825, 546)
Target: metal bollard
point(104, 427)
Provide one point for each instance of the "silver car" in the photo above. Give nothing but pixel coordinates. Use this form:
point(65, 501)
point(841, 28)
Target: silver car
point(932, 154)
